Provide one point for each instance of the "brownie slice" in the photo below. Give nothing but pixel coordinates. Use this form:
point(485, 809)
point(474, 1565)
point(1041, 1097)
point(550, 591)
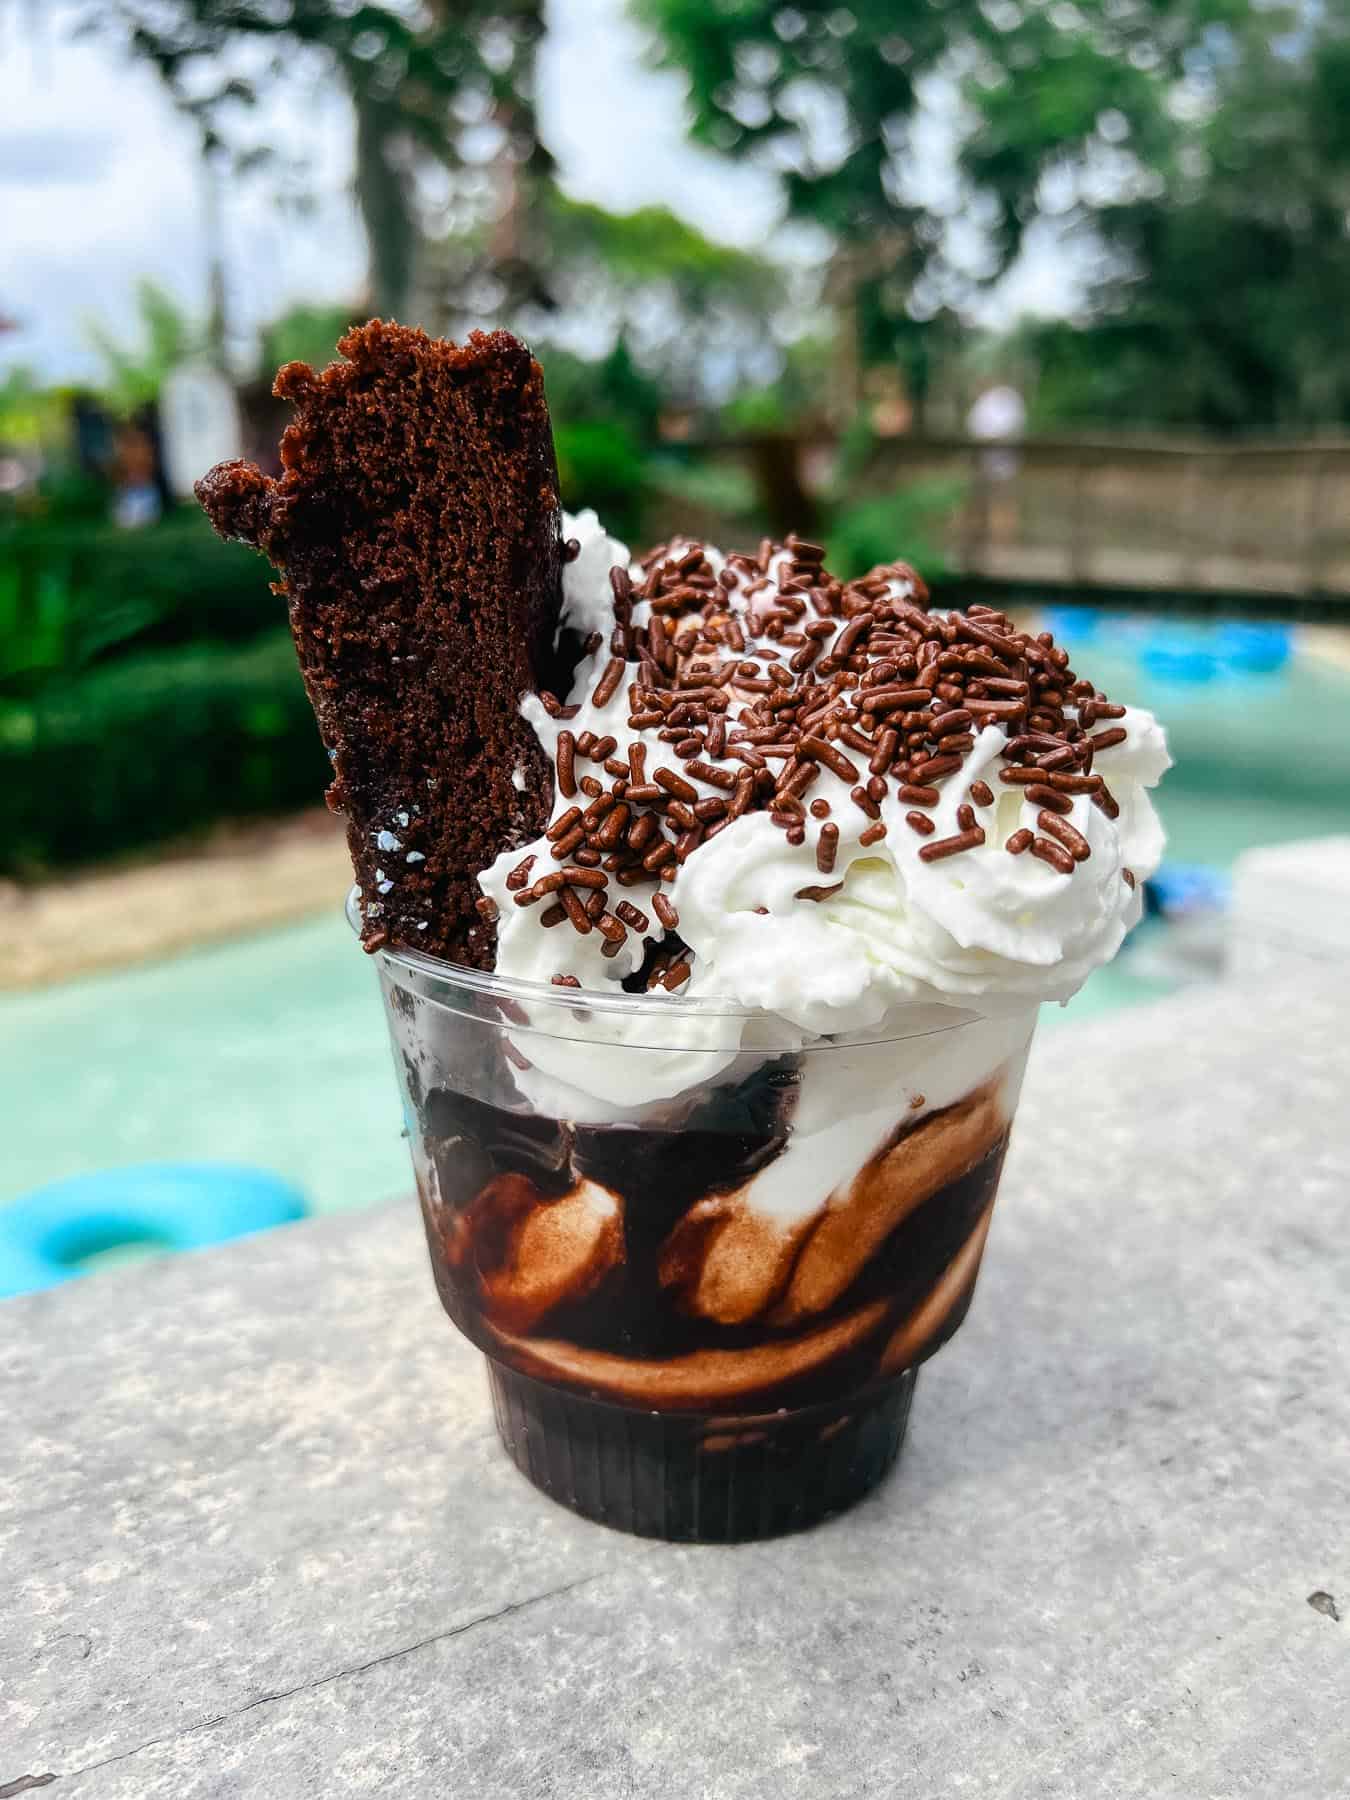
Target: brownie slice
point(416, 526)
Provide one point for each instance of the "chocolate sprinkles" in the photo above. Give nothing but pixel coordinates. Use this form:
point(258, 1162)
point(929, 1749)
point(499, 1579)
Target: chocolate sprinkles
point(765, 677)
point(1068, 835)
point(941, 848)
point(575, 911)
point(825, 752)
point(1052, 853)
point(567, 781)
point(608, 684)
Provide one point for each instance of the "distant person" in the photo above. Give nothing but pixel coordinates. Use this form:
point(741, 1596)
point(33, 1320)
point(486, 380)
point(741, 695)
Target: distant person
point(138, 497)
point(141, 494)
point(93, 434)
point(999, 417)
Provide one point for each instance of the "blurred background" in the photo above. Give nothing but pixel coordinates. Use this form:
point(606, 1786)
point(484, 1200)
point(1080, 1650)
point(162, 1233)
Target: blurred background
point(1047, 296)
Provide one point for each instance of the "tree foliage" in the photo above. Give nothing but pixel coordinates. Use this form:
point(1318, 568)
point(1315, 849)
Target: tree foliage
point(689, 311)
point(1198, 150)
point(1223, 305)
point(653, 247)
point(445, 82)
point(304, 333)
point(829, 95)
point(133, 373)
point(29, 411)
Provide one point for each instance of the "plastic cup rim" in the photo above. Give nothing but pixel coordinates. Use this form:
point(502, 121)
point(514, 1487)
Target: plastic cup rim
point(650, 1009)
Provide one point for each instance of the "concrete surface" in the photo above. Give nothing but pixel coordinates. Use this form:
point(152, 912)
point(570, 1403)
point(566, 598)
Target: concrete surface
point(256, 1539)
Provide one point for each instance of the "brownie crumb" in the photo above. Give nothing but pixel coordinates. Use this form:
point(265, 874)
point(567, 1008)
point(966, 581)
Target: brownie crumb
point(417, 529)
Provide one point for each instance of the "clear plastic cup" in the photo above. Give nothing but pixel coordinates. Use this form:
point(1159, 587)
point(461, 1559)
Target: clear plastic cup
point(704, 1259)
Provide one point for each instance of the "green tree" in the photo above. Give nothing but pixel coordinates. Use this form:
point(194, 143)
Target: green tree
point(679, 303)
point(611, 389)
point(1055, 107)
point(437, 83)
point(633, 252)
point(134, 373)
point(797, 398)
point(607, 414)
point(1223, 304)
point(691, 313)
point(687, 318)
point(27, 408)
point(304, 334)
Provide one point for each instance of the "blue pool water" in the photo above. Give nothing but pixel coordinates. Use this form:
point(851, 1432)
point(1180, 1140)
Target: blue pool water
point(271, 1050)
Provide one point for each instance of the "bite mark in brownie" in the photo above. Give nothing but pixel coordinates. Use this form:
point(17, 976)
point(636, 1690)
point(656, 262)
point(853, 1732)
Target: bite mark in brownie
point(417, 529)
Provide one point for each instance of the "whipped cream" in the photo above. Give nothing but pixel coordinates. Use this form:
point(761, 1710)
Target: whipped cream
point(985, 931)
point(852, 1098)
point(904, 983)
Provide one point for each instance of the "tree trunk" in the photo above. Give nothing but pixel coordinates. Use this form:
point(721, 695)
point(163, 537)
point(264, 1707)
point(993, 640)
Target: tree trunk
point(841, 295)
point(217, 323)
point(385, 202)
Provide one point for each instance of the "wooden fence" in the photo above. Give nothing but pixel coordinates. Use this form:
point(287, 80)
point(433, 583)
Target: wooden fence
point(1195, 526)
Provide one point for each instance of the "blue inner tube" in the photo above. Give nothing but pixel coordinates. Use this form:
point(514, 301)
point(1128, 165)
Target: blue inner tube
point(1179, 888)
point(1180, 653)
point(1256, 649)
point(47, 1236)
point(1072, 624)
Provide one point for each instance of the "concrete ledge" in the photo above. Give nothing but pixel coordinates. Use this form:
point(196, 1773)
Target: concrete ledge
point(258, 1541)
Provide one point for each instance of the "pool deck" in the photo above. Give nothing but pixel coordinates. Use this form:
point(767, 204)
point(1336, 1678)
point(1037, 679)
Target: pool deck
point(242, 879)
point(258, 1540)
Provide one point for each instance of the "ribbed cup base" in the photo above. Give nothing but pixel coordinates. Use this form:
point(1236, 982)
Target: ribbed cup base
point(700, 1477)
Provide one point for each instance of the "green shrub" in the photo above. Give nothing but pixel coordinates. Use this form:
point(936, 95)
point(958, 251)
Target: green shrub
point(72, 594)
point(154, 746)
point(601, 464)
point(908, 525)
point(716, 484)
point(306, 334)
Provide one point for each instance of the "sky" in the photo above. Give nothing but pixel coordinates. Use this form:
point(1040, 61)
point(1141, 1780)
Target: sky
point(100, 184)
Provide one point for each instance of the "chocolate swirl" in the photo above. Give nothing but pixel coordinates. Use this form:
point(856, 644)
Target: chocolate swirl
point(632, 1263)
